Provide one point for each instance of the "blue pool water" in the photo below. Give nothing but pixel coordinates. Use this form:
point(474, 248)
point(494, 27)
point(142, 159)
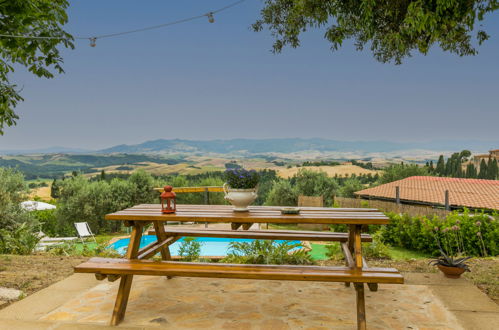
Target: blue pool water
point(210, 246)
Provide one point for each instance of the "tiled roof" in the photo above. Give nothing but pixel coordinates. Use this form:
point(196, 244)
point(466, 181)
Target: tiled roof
point(473, 193)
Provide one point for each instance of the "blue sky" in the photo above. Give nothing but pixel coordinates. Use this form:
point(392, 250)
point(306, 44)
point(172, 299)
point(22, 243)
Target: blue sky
point(205, 81)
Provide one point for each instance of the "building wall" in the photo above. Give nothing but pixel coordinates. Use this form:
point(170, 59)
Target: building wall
point(477, 159)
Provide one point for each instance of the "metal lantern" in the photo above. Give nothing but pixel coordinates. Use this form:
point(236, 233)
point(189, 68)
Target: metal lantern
point(168, 200)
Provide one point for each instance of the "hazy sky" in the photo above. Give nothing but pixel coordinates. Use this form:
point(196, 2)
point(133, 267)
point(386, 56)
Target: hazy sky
point(204, 81)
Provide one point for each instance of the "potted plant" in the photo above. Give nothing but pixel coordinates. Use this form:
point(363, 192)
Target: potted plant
point(450, 266)
point(240, 187)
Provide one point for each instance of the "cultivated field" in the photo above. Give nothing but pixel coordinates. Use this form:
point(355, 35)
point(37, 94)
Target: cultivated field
point(42, 192)
point(340, 170)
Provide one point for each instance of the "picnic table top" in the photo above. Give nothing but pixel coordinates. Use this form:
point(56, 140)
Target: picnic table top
point(256, 214)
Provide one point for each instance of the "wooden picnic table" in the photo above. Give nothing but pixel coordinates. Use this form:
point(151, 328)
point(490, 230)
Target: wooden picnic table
point(137, 217)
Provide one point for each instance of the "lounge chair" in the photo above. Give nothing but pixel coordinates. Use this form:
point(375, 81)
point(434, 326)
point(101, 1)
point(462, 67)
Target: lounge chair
point(84, 231)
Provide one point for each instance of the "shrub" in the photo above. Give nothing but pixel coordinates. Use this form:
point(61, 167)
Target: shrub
point(83, 250)
point(401, 171)
point(282, 194)
point(22, 239)
point(472, 234)
point(190, 249)
point(312, 183)
point(350, 186)
point(267, 252)
point(376, 249)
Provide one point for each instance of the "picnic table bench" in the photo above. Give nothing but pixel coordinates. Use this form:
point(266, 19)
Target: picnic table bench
point(356, 270)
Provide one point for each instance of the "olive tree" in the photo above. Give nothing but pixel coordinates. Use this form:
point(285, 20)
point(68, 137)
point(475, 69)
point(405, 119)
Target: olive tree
point(393, 29)
point(42, 21)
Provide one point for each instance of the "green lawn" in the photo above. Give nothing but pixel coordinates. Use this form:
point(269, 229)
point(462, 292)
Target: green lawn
point(319, 253)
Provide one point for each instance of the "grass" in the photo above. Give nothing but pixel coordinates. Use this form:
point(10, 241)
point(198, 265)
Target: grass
point(319, 253)
point(35, 272)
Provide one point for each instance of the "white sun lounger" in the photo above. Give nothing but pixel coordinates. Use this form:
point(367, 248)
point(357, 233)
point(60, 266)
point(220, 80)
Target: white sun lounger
point(84, 231)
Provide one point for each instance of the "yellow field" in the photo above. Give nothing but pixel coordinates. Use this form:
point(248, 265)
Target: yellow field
point(42, 192)
point(340, 170)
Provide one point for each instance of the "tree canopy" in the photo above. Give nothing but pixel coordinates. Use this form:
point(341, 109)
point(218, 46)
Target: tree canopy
point(392, 29)
point(38, 19)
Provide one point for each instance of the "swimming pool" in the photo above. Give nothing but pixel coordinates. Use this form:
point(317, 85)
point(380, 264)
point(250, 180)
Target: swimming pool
point(210, 246)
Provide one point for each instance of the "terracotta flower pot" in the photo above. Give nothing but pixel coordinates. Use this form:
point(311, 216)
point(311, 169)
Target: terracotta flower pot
point(451, 272)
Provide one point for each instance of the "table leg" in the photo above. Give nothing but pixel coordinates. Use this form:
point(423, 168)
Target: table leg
point(159, 228)
point(126, 280)
point(359, 287)
point(351, 241)
point(161, 236)
point(361, 306)
point(358, 247)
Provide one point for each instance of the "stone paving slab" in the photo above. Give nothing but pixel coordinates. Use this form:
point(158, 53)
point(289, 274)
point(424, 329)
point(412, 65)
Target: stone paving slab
point(468, 298)
point(195, 303)
point(44, 301)
point(478, 320)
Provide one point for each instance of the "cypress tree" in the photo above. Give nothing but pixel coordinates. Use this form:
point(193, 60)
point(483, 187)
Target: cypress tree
point(493, 170)
point(471, 171)
point(483, 170)
point(55, 189)
point(440, 170)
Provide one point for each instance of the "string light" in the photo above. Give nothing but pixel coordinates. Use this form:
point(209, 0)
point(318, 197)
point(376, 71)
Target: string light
point(93, 39)
point(211, 19)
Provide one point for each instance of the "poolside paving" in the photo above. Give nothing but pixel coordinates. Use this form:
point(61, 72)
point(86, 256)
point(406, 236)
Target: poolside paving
point(428, 301)
point(194, 303)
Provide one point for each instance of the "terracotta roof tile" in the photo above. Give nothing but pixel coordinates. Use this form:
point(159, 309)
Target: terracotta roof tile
point(474, 193)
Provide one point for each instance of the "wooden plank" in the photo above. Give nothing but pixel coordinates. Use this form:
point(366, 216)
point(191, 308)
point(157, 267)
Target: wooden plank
point(372, 286)
point(253, 213)
point(256, 207)
point(348, 255)
point(158, 246)
point(182, 190)
point(222, 209)
point(112, 278)
point(247, 226)
point(266, 234)
point(213, 270)
point(126, 281)
point(357, 247)
point(99, 263)
point(180, 230)
point(331, 219)
point(162, 236)
point(351, 237)
point(100, 277)
point(348, 258)
point(361, 306)
point(235, 225)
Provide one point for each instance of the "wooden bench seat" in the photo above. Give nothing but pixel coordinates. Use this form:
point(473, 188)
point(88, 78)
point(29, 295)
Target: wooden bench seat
point(110, 266)
point(263, 234)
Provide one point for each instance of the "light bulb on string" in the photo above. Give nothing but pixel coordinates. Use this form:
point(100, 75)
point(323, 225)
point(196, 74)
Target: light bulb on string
point(93, 42)
point(211, 19)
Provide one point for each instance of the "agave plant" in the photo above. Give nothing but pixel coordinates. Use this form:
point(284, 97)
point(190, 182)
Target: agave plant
point(448, 261)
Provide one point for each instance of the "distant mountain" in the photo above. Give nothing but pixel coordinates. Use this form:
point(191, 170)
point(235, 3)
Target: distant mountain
point(50, 150)
point(258, 146)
